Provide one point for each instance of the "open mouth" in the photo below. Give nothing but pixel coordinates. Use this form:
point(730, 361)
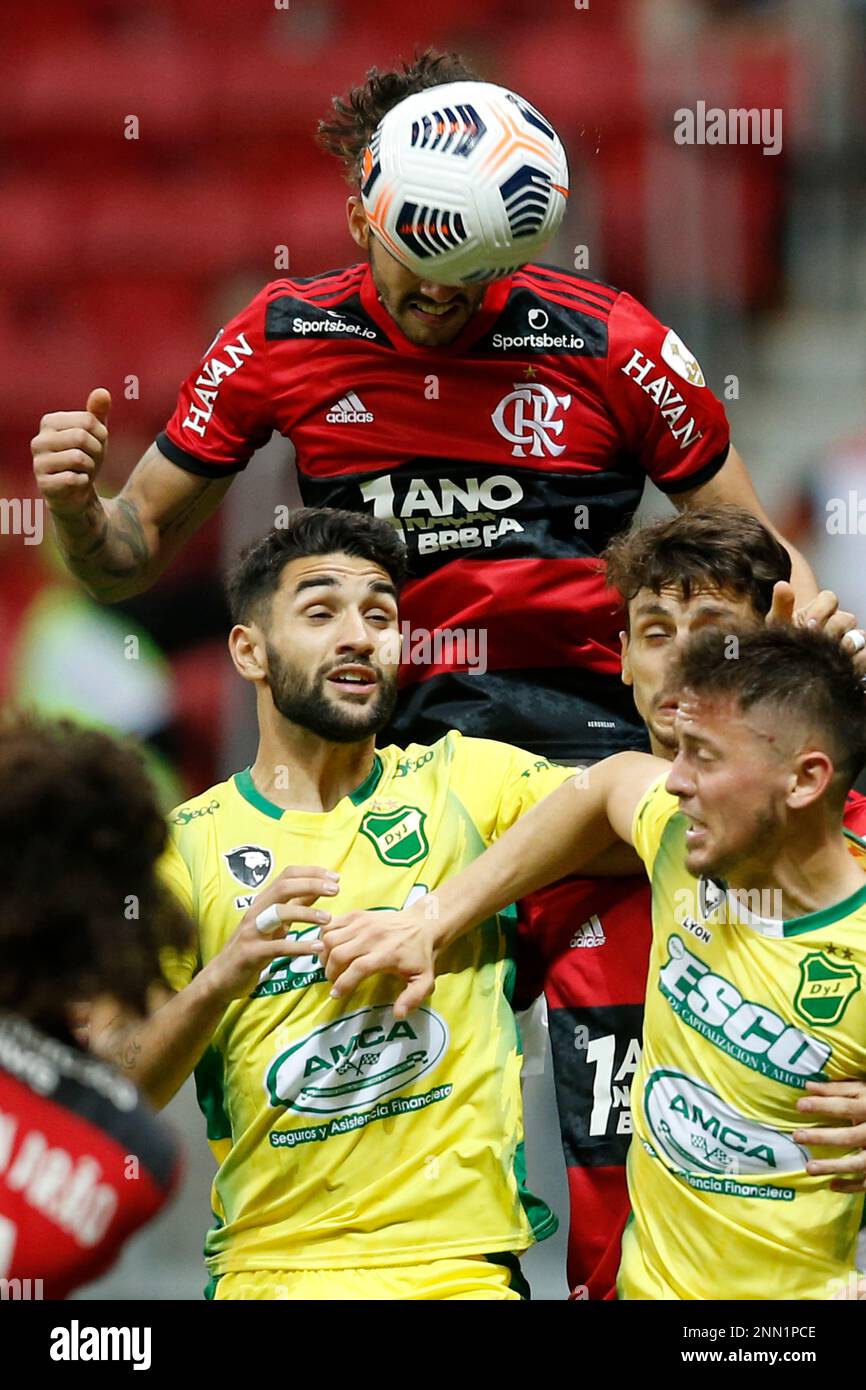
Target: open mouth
point(696, 833)
point(355, 680)
point(435, 313)
point(667, 708)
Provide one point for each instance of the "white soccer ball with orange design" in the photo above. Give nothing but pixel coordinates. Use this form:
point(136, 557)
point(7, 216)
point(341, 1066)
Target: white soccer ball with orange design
point(464, 182)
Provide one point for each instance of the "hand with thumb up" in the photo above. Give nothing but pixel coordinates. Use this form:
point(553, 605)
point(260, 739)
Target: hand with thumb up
point(68, 453)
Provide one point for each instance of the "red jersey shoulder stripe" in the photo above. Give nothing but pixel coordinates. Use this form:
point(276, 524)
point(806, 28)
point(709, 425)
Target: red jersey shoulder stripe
point(580, 291)
point(568, 301)
point(578, 284)
point(335, 282)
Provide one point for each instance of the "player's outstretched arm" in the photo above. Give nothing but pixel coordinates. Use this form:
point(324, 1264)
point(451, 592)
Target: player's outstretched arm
point(561, 835)
point(116, 547)
point(159, 1053)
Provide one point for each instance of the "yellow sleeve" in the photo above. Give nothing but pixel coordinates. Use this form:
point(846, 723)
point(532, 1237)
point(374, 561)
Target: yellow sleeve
point(500, 783)
point(178, 967)
point(652, 814)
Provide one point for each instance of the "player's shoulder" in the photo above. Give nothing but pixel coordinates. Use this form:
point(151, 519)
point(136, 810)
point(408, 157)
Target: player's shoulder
point(489, 755)
point(452, 753)
point(549, 309)
point(558, 285)
point(55, 1075)
point(654, 812)
point(328, 285)
point(201, 809)
point(325, 308)
point(854, 817)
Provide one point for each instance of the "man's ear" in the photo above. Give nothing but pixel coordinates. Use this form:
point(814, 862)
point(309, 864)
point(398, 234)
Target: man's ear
point(625, 673)
point(247, 651)
point(813, 776)
point(359, 227)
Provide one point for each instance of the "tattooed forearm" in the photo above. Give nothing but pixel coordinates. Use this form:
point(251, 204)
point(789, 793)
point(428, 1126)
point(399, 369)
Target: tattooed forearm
point(126, 1056)
point(105, 547)
point(118, 547)
point(129, 550)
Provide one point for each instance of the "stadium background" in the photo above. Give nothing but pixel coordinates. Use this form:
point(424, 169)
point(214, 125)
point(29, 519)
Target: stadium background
point(124, 255)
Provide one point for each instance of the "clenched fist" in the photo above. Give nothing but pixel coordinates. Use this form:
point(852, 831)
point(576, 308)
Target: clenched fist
point(68, 453)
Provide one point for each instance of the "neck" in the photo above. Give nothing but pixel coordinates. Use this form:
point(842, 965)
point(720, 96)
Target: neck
point(814, 869)
point(299, 771)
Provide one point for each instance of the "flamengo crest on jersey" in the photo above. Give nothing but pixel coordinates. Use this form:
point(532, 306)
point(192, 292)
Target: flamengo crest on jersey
point(506, 462)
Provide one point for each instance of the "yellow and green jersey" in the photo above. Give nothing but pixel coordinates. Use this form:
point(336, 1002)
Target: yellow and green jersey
point(344, 1136)
point(742, 1010)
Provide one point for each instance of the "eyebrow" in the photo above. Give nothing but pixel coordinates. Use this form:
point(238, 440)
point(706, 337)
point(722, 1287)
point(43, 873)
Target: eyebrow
point(330, 581)
point(649, 609)
point(700, 740)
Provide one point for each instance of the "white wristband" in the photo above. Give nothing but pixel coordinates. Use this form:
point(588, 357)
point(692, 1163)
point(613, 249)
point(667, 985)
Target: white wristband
point(267, 920)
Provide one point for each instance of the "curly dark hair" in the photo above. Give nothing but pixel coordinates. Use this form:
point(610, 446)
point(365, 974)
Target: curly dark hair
point(356, 114)
point(311, 531)
point(82, 912)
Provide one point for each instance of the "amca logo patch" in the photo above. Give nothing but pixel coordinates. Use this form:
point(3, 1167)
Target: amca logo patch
point(356, 1060)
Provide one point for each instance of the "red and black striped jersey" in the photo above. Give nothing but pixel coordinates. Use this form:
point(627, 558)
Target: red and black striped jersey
point(506, 460)
point(84, 1162)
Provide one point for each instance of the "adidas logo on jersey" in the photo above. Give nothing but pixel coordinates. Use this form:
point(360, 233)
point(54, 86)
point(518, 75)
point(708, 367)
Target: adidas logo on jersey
point(591, 933)
point(349, 410)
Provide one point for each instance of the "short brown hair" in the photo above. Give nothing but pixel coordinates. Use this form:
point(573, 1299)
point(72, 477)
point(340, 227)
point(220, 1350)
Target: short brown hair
point(356, 114)
point(82, 912)
point(805, 677)
point(723, 545)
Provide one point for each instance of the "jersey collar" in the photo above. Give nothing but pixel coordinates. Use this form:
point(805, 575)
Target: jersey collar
point(250, 792)
point(492, 305)
point(794, 926)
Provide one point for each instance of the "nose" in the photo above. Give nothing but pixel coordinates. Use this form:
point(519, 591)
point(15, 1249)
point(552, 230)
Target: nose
point(355, 635)
point(440, 294)
point(680, 781)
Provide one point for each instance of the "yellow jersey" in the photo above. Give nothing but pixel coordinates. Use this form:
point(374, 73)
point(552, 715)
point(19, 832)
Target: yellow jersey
point(742, 1009)
point(345, 1137)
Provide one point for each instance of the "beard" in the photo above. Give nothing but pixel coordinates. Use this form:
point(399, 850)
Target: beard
point(747, 865)
point(305, 702)
point(397, 304)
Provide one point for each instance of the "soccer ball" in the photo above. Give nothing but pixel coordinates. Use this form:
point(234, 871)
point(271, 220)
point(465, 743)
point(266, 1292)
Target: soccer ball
point(464, 182)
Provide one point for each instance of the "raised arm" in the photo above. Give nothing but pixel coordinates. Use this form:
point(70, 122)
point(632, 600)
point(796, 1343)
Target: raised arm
point(117, 547)
point(561, 835)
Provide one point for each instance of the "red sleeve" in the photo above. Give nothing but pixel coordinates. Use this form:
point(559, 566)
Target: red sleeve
point(855, 814)
point(669, 418)
point(223, 412)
